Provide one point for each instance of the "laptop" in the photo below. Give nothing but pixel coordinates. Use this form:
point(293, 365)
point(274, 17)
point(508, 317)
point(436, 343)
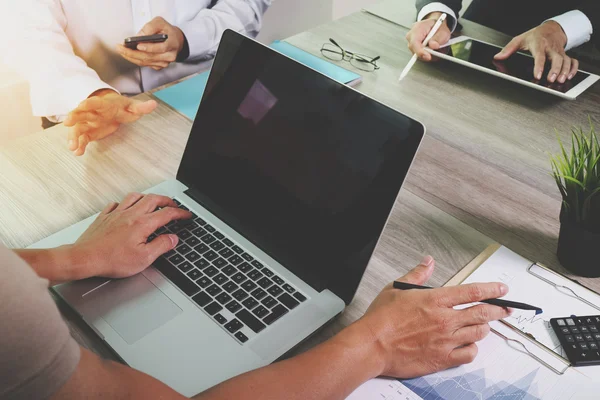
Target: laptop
point(291, 178)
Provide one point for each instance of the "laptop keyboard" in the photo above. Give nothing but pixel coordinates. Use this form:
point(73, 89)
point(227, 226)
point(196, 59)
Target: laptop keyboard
point(233, 287)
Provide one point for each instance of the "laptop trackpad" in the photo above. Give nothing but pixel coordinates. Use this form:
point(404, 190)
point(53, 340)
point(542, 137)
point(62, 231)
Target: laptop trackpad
point(133, 307)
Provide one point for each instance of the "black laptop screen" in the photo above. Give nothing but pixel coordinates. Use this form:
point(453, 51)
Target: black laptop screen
point(305, 168)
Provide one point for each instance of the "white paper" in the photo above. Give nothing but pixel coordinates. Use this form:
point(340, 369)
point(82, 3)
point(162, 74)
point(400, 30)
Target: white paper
point(498, 372)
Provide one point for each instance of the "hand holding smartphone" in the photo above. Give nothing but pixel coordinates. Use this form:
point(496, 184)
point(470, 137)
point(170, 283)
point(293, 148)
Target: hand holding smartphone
point(132, 42)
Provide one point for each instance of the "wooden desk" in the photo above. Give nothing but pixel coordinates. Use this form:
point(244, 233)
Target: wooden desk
point(482, 174)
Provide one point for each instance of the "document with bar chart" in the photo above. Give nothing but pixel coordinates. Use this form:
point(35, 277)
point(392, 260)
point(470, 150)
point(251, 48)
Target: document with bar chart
point(499, 372)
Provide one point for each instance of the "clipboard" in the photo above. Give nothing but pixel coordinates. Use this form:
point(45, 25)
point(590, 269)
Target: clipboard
point(544, 274)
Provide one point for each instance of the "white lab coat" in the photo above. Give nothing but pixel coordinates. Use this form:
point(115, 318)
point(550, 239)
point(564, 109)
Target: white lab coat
point(66, 48)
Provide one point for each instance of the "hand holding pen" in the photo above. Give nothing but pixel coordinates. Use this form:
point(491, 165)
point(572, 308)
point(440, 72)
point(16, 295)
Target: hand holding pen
point(423, 33)
point(495, 302)
point(423, 53)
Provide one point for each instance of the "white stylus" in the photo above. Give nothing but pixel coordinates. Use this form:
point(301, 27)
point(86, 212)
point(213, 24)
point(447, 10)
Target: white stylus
point(433, 31)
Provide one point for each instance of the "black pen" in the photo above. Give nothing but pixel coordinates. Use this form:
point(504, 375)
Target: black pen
point(494, 302)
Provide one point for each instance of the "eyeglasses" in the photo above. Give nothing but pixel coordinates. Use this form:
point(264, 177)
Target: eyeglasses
point(335, 52)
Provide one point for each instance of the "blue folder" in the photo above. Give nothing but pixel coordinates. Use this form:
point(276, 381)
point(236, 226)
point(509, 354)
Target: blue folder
point(185, 96)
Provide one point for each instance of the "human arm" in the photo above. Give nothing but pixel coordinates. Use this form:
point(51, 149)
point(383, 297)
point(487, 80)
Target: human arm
point(198, 35)
point(427, 14)
point(41, 52)
point(450, 7)
point(115, 245)
point(403, 334)
point(204, 29)
point(552, 39)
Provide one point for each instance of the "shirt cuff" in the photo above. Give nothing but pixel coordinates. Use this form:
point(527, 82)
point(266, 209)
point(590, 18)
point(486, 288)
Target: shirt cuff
point(185, 51)
point(75, 90)
point(198, 36)
point(439, 7)
point(577, 27)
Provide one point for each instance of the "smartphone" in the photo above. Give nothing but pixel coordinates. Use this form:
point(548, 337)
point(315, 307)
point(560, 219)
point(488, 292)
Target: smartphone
point(132, 42)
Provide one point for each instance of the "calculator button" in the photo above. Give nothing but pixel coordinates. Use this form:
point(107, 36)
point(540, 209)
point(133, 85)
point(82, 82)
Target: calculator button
point(584, 329)
point(584, 346)
point(579, 338)
point(575, 330)
point(597, 336)
point(588, 337)
point(593, 346)
point(566, 331)
point(574, 346)
point(560, 322)
point(593, 329)
point(569, 338)
point(570, 322)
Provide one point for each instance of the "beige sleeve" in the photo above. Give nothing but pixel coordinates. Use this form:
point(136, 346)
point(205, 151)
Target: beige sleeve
point(37, 352)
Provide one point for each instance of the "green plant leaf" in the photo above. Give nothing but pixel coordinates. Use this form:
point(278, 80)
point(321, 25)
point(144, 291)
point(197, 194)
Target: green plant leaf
point(576, 172)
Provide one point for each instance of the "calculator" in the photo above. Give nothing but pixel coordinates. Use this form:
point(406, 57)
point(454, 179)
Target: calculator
point(580, 337)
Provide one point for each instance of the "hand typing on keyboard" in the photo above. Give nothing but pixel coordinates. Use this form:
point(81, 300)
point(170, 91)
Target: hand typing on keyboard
point(116, 244)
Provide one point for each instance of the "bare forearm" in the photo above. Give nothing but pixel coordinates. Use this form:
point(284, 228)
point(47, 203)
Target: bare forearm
point(96, 378)
point(61, 264)
point(330, 371)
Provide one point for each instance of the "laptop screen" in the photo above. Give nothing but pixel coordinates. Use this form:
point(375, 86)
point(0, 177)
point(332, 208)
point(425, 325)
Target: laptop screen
point(304, 167)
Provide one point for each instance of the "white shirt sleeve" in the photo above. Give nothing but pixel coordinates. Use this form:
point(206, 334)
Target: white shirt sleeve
point(577, 26)
point(439, 7)
point(203, 32)
point(40, 52)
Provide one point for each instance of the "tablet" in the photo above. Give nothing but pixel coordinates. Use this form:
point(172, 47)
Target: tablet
point(518, 68)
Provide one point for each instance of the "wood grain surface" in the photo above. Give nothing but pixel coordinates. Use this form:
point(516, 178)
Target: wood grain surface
point(481, 176)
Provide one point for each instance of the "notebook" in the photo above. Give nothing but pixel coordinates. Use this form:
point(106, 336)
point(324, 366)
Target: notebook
point(185, 96)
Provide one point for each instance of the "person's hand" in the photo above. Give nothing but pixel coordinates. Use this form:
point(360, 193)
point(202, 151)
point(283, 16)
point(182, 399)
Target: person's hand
point(418, 332)
point(116, 246)
point(419, 32)
point(545, 42)
point(155, 55)
point(100, 115)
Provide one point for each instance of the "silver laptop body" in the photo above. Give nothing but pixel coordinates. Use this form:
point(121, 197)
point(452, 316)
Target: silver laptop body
point(155, 327)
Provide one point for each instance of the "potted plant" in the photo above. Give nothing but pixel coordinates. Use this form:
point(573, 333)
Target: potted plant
point(577, 175)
